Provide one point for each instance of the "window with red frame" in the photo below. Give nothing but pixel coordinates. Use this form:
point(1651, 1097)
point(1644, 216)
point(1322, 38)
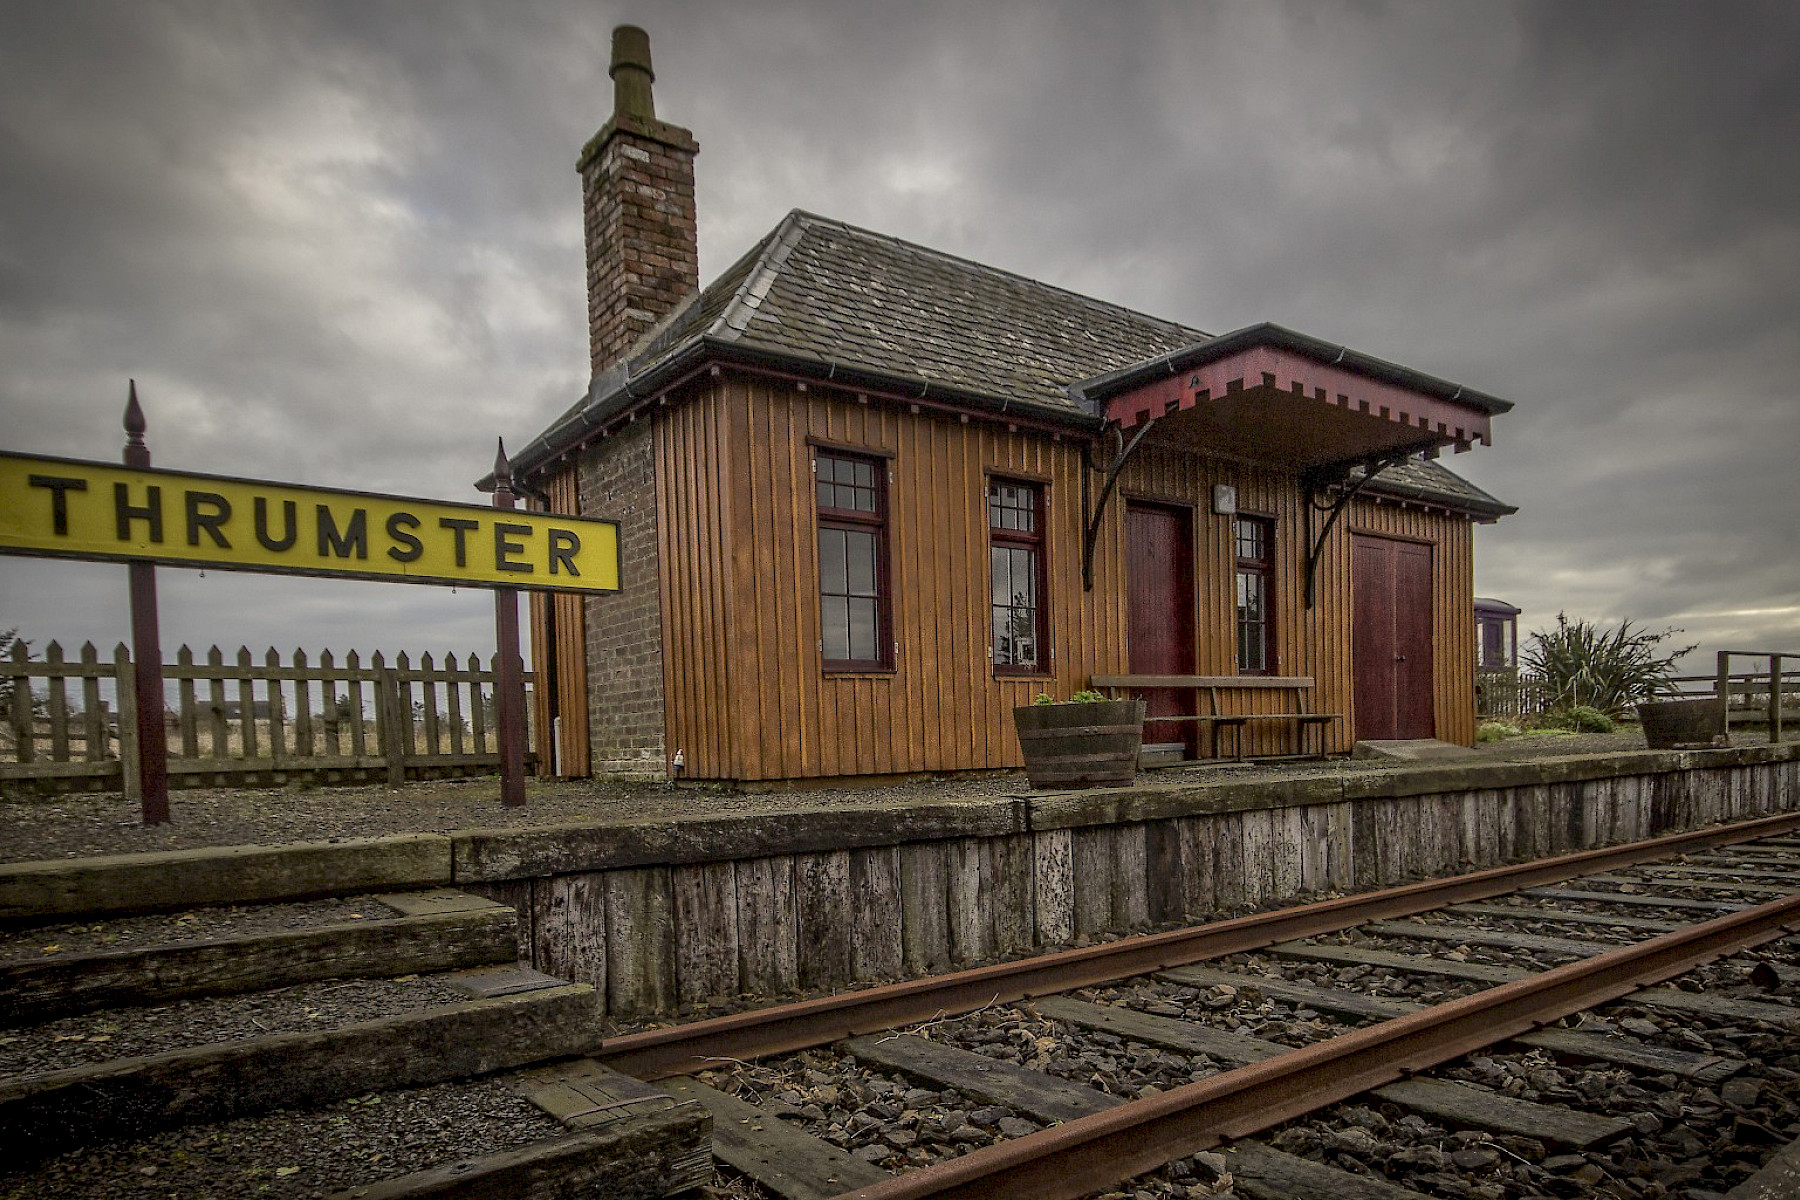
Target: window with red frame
point(1021, 614)
point(1255, 576)
point(855, 631)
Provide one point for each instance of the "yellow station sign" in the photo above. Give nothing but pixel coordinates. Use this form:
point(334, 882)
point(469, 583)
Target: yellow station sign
point(72, 509)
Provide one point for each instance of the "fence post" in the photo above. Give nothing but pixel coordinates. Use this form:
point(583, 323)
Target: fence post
point(146, 643)
point(131, 770)
point(24, 723)
point(509, 671)
point(1774, 697)
point(395, 728)
point(1724, 686)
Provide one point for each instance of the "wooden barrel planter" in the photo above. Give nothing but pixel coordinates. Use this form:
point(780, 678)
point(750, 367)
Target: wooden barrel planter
point(1674, 724)
point(1092, 744)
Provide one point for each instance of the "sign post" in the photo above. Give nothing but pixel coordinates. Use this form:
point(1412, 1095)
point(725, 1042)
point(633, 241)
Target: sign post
point(509, 671)
point(146, 649)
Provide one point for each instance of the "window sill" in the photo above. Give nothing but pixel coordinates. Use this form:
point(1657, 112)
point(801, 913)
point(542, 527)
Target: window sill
point(858, 672)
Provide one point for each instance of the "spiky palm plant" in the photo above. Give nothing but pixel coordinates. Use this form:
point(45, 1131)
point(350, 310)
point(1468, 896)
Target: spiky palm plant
point(1608, 669)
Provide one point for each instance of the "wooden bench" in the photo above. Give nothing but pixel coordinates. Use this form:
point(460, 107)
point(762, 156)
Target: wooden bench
point(1216, 717)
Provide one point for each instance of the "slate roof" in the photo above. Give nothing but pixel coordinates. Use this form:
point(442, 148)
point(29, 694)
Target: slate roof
point(822, 298)
point(1425, 479)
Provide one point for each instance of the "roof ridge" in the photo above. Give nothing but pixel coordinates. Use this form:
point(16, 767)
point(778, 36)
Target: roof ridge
point(771, 253)
point(988, 269)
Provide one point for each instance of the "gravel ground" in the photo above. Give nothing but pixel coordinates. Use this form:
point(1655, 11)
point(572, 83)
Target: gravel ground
point(295, 1154)
point(160, 929)
point(75, 825)
point(128, 1032)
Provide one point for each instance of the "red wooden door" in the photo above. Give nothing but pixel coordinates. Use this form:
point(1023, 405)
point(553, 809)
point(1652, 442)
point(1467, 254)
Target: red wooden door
point(1159, 577)
point(1391, 638)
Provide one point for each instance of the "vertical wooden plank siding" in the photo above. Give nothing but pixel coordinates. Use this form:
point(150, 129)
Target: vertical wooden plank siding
point(693, 543)
point(746, 694)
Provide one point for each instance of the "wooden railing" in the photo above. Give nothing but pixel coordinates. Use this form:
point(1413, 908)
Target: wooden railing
point(248, 722)
point(1768, 694)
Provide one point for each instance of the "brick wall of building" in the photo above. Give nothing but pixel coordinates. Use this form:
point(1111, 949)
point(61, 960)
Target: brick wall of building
point(643, 254)
point(624, 628)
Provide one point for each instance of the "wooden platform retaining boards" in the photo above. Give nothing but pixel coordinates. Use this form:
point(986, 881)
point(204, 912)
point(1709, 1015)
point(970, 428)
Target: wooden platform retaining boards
point(657, 913)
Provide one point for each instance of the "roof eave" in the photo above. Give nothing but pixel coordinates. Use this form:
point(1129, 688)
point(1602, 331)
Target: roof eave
point(1092, 392)
point(614, 393)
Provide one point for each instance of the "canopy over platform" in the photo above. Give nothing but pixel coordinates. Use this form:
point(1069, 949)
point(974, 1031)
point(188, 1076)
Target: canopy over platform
point(1268, 394)
point(1265, 394)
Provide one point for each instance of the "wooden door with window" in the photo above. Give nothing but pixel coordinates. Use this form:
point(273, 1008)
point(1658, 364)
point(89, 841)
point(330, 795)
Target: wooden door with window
point(1390, 584)
point(1159, 576)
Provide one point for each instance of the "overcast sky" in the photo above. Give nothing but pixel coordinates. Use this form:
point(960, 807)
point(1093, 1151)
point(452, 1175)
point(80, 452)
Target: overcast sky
point(340, 244)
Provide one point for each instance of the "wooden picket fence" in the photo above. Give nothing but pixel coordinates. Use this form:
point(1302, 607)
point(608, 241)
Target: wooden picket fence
point(1505, 692)
point(247, 723)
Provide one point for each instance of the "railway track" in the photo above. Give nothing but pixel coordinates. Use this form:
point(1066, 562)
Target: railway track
point(1615, 1022)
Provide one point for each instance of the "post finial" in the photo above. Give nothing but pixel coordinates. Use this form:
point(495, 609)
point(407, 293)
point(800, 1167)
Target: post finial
point(503, 477)
point(137, 453)
point(134, 416)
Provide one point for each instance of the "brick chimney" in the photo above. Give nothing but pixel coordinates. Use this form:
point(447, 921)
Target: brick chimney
point(637, 182)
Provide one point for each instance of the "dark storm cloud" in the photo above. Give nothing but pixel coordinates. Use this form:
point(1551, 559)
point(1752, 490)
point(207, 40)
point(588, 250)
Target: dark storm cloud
point(341, 242)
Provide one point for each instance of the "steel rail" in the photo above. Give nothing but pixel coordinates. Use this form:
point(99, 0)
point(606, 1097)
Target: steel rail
point(782, 1029)
point(1090, 1153)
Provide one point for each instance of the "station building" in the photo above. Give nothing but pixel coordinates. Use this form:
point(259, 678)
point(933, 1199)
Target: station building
point(872, 496)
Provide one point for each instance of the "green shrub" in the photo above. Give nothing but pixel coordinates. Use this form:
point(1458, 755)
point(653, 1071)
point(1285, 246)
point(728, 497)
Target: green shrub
point(1608, 670)
point(1575, 718)
point(1496, 731)
point(1584, 718)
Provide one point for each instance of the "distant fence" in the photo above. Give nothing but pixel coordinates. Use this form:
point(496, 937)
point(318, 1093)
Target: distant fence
point(246, 722)
point(1510, 693)
point(1505, 692)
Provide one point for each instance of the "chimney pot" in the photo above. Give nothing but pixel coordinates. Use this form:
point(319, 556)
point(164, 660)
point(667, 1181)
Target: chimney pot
point(631, 74)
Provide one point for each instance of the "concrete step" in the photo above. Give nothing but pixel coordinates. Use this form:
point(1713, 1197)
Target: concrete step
point(160, 1012)
point(59, 970)
point(71, 1083)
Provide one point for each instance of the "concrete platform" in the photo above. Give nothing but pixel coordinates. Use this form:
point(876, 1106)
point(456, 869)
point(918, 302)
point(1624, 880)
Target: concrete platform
point(1411, 750)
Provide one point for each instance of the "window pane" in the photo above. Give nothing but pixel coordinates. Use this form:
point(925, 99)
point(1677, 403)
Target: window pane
point(865, 474)
point(1252, 621)
point(863, 628)
point(833, 570)
point(860, 551)
point(1001, 567)
point(1012, 506)
point(1024, 573)
point(1250, 596)
point(834, 626)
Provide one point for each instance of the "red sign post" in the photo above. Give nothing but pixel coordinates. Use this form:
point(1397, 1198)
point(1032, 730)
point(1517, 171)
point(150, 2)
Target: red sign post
point(509, 670)
point(146, 650)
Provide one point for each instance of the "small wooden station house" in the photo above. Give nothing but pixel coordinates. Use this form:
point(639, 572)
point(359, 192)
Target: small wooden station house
point(873, 496)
